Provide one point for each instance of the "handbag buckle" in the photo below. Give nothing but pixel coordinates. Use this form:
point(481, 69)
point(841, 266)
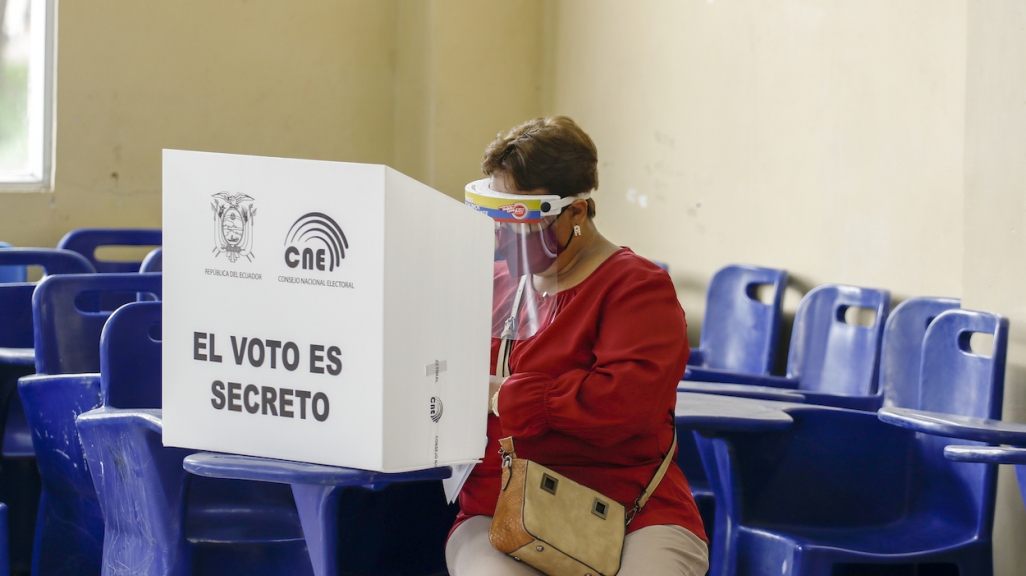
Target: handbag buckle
point(631, 513)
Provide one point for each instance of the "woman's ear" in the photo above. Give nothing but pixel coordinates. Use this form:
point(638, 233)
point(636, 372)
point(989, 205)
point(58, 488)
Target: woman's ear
point(579, 211)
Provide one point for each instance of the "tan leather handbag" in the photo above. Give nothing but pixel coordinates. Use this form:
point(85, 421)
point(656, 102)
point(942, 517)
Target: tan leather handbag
point(558, 526)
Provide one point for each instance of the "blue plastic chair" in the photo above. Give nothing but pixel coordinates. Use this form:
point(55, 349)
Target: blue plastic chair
point(840, 490)
point(5, 559)
point(1012, 455)
point(68, 317)
point(355, 521)
point(902, 346)
point(16, 298)
point(836, 362)
point(147, 531)
point(19, 479)
point(85, 241)
point(9, 274)
point(68, 325)
point(739, 333)
point(196, 525)
point(831, 362)
point(154, 261)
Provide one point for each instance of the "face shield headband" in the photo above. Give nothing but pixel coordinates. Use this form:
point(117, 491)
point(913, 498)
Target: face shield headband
point(525, 237)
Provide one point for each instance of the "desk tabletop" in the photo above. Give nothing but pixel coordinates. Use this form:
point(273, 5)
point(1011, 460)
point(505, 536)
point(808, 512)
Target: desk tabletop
point(986, 454)
point(741, 390)
point(980, 429)
point(698, 374)
point(730, 413)
point(697, 411)
point(18, 356)
point(237, 467)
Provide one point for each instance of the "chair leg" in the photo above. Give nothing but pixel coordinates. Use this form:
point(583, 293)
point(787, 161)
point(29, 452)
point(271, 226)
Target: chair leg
point(318, 513)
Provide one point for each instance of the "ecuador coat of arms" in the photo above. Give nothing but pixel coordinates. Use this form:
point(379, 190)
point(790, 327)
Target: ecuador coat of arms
point(233, 225)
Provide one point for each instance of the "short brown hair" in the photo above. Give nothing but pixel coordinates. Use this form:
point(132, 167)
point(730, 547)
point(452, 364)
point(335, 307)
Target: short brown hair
point(552, 153)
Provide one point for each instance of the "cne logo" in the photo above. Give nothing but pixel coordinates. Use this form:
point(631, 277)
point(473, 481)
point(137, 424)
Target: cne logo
point(233, 225)
point(436, 409)
point(315, 242)
point(517, 210)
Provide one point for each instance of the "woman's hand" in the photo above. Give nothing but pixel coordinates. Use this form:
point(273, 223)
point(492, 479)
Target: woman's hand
point(494, 382)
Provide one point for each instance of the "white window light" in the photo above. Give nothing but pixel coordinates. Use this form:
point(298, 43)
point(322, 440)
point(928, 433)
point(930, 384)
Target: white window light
point(26, 94)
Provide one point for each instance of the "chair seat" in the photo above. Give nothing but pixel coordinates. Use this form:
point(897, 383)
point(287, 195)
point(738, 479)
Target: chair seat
point(252, 524)
point(18, 356)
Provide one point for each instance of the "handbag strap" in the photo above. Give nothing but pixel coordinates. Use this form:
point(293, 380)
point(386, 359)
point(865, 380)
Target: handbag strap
point(654, 483)
point(508, 452)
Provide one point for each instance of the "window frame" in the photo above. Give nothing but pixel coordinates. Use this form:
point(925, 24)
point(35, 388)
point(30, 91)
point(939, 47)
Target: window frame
point(41, 111)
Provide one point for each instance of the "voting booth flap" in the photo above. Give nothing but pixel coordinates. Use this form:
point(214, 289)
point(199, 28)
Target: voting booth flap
point(324, 312)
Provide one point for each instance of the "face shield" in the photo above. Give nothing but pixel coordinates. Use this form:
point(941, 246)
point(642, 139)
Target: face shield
point(526, 240)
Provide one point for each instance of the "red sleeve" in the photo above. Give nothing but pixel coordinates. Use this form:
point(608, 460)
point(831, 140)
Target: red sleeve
point(640, 353)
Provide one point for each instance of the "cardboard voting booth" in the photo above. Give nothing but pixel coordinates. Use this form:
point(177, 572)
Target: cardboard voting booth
point(323, 312)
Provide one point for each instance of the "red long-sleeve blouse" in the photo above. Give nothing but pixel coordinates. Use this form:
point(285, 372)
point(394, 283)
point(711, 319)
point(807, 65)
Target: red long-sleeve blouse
point(592, 394)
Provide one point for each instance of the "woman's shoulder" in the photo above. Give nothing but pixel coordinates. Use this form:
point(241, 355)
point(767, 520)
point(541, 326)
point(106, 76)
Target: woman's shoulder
point(624, 266)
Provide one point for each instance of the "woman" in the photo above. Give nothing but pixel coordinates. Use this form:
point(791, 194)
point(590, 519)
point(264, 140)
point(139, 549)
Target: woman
point(599, 344)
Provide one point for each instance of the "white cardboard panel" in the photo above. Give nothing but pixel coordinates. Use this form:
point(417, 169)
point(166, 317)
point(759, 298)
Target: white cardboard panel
point(256, 294)
point(431, 292)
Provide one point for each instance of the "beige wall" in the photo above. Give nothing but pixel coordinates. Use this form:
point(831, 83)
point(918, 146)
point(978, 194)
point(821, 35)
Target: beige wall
point(422, 85)
point(820, 137)
point(994, 262)
point(466, 71)
point(305, 79)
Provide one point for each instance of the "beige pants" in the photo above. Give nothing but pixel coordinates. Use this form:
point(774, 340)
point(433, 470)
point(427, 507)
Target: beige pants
point(650, 551)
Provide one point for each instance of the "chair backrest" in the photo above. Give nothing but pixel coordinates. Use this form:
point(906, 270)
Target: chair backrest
point(85, 241)
point(51, 260)
point(739, 332)
point(828, 353)
point(902, 346)
point(16, 298)
point(956, 380)
point(154, 261)
point(68, 321)
point(10, 274)
point(130, 361)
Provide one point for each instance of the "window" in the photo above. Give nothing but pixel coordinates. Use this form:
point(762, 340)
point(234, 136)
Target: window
point(26, 93)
